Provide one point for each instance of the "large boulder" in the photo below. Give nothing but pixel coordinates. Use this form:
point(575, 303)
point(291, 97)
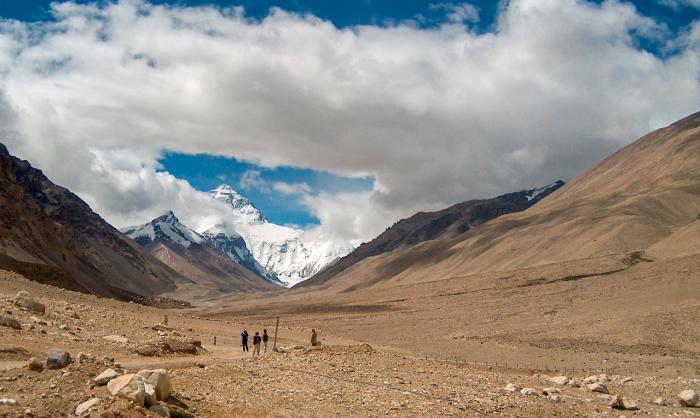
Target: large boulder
point(104, 377)
point(10, 322)
point(160, 381)
point(57, 358)
point(688, 398)
point(129, 386)
point(25, 301)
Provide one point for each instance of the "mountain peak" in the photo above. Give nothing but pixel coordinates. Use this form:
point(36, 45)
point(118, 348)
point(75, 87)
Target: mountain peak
point(168, 217)
point(240, 204)
point(164, 228)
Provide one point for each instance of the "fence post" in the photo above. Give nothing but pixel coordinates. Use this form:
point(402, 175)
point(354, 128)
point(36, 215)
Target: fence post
point(277, 324)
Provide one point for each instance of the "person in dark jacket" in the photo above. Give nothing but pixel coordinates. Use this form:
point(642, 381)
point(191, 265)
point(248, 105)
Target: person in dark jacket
point(256, 343)
point(244, 340)
point(265, 338)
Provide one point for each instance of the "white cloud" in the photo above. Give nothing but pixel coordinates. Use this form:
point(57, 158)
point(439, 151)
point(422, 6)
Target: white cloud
point(436, 115)
point(678, 4)
point(458, 13)
point(292, 188)
point(251, 179)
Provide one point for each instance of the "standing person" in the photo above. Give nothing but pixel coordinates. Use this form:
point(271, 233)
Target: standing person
point(265, 338)
point(256, 343)
point(244, 340)
point(314, 338)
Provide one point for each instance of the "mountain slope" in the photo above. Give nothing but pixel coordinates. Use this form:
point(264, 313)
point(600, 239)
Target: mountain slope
point(281, 250)
point(212, 271)
point(632, 201)
point(46, 227)
point(425, 226)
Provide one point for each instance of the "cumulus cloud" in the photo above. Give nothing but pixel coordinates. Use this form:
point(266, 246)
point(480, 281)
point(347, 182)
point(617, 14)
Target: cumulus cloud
point(436, 115)
point(251, 179)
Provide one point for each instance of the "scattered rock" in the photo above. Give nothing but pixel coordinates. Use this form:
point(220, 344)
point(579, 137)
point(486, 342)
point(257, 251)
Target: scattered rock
point(511, 387)
point(116, 338)
point(529, 392)
point(104, 377)
point(8, 321)
point(688, 398)
point(83, 357)
point(550, 391)
point(129, 386)
point(85, 406)
point(458, 336)
point(597, 387)
point(25, 301)
point(660, 401)
point(625, 380)
point(57, 358)
point(165, 346)
point(160, 409)
point(560, 380)
point(572, 383)
point(9, 402)
point(35, 365)
point(618, 402)
point(554, 397)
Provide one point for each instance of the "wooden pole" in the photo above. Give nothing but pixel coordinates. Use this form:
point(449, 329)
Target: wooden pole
point(277, 324)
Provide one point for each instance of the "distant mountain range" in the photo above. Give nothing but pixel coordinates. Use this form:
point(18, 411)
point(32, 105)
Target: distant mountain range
point(640, 204)
point(216, 264)
point(285, 252)
point(425, 226)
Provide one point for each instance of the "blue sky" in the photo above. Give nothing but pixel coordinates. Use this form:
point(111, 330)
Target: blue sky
point(205, 172)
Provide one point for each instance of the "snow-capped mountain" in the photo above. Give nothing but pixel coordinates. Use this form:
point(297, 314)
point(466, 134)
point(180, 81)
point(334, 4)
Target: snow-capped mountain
point(167, 228)
point(284, 251)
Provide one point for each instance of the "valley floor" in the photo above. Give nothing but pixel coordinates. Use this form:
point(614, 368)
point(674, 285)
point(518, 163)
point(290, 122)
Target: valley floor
point(619, 315)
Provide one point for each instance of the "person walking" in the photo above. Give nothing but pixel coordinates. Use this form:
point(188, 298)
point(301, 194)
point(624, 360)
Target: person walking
point(314, 338)
point(244, 340)
point(256, 343)
point(265, 338)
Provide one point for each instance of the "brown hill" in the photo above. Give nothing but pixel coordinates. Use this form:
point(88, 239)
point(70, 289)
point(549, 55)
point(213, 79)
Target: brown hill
point(211, 271)
point(51, 235)
point(425, 226)
point(644, 197)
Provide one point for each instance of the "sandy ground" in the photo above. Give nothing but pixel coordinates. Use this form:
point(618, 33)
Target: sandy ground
point(520, 327)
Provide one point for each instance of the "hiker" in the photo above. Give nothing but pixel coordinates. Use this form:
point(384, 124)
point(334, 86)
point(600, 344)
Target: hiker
point(265, 338)
point(244, 340)
point(314, 338)
point(256, 344)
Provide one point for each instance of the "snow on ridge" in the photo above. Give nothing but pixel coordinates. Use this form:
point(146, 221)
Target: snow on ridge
point(167, 227)
point(282, 250)
point(536, 192)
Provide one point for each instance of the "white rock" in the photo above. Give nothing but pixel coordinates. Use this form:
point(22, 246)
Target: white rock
point(10, 402)
point(618, 402)
point(160, 381)
point(529, 392)
point(597, 387)
point(560, 380)
point(511, 387)
point(85, 406)
point(554, 397)
point(660, 401)
point(625, 380)
point(116, 338)
point(572, 383)
point(104, 377)
point(688, 398)
point(129, 386)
